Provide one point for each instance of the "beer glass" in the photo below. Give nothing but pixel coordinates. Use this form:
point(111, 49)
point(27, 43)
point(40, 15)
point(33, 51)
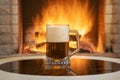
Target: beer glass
point(57, 45)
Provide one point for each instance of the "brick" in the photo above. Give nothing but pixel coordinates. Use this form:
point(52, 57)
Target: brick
point(115, 12)
point(108, 1)
point(108, 45)
point(108, 9)
point(4, 1)
point(115, 1)
point(15, 29)
point(5, 9)
point(116, 6)
point(15, 19)
point(116, 38)
point(114, 19)
point(108, 19)
point(116, 48)
point(5, 52)
point(5, 29)
point(112, 1)
point(14, 1)
point(9, 29)
point(8, 38)
point(117, 29)
point(113, 9)
point(15, 38)
point(8, 49)
point(109, 37)
point(9, 2)
point(5, 39)
point(5, 19)
point(15, 9)
point(109, 28)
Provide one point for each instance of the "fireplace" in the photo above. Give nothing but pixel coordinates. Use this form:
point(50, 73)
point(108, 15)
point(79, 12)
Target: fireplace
point(102, 36)
point(85, 16)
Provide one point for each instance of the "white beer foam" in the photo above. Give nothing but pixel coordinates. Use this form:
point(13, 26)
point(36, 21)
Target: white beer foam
point(57, 33)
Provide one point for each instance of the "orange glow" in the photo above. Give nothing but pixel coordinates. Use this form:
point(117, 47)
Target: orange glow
point(72, 44)
point(73, 12)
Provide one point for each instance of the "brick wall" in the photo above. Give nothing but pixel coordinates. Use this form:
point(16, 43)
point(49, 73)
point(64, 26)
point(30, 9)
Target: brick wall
point(9, 26)
point(113, 25)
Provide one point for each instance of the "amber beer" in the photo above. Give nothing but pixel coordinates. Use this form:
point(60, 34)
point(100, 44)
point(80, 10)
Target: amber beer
point(57, 50)
point(57, 42)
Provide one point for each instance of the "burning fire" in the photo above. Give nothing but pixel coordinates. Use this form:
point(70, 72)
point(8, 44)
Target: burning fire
point(76, 13)
point(72, 12)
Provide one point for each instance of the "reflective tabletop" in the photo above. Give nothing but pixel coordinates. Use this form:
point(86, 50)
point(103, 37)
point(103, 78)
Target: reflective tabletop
point(78, 66)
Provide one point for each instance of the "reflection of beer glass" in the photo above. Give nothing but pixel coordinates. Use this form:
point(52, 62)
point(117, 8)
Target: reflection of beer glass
point(57, 45)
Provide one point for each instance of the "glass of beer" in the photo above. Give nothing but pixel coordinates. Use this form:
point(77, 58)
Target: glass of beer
point(57, 45)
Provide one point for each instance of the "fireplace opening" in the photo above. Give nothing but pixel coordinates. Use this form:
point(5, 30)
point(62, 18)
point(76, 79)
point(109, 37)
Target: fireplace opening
point(86, 16)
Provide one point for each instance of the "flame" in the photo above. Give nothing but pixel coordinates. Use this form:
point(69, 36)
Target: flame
point(76, 13)
point(72, 12)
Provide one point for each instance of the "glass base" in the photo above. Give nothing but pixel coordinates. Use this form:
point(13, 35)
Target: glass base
point(57, 63)
point(60, 69)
